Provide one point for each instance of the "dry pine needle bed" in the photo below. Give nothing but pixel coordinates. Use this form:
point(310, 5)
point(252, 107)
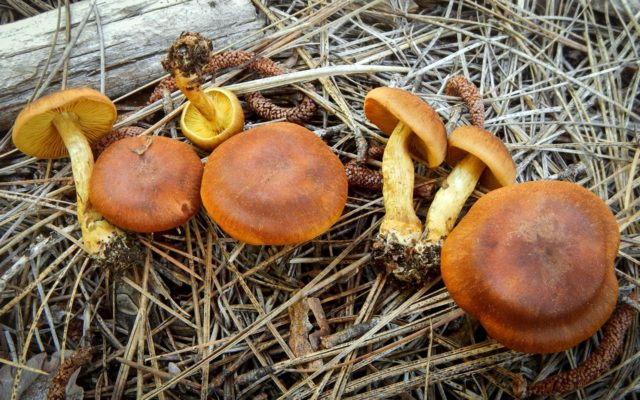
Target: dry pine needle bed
point(199, 314)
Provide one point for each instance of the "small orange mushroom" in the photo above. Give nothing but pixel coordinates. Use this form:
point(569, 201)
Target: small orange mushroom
point(147, 184)
point(534, 263)
point(275, 184)
point(65, 124)
point(211, 116)
point(476, 155)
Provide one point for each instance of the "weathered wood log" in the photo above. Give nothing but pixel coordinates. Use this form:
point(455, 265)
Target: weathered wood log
point(135, 33)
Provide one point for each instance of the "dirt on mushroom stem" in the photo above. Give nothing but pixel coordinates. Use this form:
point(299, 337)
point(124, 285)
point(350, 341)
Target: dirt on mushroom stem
point(189, 54)
point(394, 248)
point(107, 244)
point(411, 265)
point(73, 119)
point(447, 205)
point(122, 254)
point(186, 61)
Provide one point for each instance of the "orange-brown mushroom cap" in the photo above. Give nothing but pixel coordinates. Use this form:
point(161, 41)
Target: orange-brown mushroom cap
point(147, 187)
point(273, 185)
point(534, 263)
point(35, 134)
point(500, 169)
point(386, 106)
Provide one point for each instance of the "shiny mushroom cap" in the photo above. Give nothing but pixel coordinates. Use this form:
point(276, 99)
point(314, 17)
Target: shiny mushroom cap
point(534, 263)
point(206, 134)
point(386, 106)
point(500, 169)
point(35, 134)
point(147, 184)
point(273, 185)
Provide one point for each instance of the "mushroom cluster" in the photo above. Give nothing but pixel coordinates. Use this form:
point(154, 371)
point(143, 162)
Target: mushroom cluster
point(152, 184)
point(414, 128)
point(533, 262)
point(403, 246)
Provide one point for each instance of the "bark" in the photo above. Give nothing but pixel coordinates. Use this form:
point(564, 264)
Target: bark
point(136, 35)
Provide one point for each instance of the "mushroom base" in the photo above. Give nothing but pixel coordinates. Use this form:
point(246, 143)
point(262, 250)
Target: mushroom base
point(122, 253)
point(411, 264)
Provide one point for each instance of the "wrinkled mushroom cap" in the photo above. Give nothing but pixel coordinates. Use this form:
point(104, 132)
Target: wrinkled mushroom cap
point(34, 133)
point(500, 169)
point(534, 263)
point(204, 134)
point(154, 191)
point(386, 106)
point(273, 185)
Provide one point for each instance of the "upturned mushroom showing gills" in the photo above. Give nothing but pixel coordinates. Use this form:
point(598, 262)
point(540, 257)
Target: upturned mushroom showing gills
point(476, 155)
point(534, 263)
point(211, 116)
point(64, 124)
point(147, 184)
point(275, 184)
point(412, 125)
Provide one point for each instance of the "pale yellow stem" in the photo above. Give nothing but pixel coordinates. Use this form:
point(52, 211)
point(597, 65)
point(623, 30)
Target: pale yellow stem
point(397, 190)
point(96, 231)
point(198, 98)
point(449, 200)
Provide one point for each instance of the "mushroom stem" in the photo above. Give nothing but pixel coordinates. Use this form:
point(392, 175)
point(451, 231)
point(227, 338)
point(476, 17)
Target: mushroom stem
point(96, 231)
point(190, 87)
point(449, 200)
point(398, 175)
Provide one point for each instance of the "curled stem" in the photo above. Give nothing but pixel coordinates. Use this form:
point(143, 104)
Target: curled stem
point(461, 87)
point(594, 366)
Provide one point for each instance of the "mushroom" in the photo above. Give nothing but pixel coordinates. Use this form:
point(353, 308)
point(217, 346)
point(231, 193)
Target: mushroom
point(211, 116)
point(275, 184)
point(262, 106)
point(64, 124)
point(534, 263)
point(147, 184)
point(410, 122)
point(476, 155)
